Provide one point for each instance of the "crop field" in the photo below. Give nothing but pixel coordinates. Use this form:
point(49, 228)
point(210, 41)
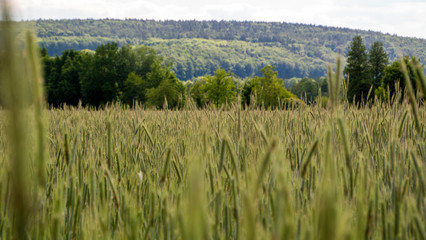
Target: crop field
point(306, 173)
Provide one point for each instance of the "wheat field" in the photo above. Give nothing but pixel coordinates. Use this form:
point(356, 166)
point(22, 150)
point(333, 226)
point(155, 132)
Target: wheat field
point(310, 173)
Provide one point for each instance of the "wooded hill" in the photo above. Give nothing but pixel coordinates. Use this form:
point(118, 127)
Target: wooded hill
point(200, 47)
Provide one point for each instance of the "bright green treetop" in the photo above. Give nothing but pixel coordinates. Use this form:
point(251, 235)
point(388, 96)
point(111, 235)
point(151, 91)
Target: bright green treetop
point(269, 89)
point(220, 87)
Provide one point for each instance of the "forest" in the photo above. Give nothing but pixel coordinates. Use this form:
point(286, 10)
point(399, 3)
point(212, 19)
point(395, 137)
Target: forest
point(138, 74)
point(198, 48)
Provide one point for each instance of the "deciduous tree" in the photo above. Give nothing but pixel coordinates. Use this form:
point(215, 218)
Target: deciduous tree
point(393, 75)
point(134, 89)
point(170, 91)
point(198, 93)
point(220, 88)
point(269, 89)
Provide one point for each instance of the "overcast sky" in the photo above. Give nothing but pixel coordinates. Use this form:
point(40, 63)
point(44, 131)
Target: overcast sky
point(401, 17)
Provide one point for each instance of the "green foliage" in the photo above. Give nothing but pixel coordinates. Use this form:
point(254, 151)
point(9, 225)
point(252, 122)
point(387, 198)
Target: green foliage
point(377, 61)
point(220, 88)
point(269, 89)
point(103, 76)
point(382, 93)
point(394, 78)
point(357, 71)
point(112, 73)
point(198, 57)
point(323, 102)
point(306, 89)
point(134, 89)
point(322, 81)
point(169, 94)
point(200, 47)
point(62, 75)
point(288, 83)
point(247, 93)
point(198, 93)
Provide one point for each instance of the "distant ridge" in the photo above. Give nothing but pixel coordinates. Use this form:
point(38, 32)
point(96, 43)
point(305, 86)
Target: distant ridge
point(199, 47)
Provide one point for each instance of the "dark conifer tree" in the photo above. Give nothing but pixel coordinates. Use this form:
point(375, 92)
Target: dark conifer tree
point(377, 61)
point(357, 70)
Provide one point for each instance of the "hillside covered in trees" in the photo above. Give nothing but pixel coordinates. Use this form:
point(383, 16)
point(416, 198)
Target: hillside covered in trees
point(200, 47)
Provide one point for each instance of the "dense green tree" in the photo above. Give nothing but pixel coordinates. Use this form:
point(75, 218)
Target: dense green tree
point(62, 75)
point(323, 83)
point(288, 83)
point(246, 93)
point(107, 77)
point(306, 89)
point(171, 91)
point(101, 83)
point(47, 63)
point(150, 66)
point(269, 89)
point(394, 78)
point(198, 93)
point(69, 84)
point(111, 73)
point(133, 90)
point(377, 61)
point(220, 88)
point(357, 71)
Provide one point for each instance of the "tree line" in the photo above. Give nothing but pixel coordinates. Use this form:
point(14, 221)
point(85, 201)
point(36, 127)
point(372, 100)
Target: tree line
point(130, 74)
point(263, 91)
point(111, 73)
point(370, 73)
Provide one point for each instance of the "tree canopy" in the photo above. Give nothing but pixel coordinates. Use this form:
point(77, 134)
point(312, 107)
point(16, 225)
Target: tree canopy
point(111, 73)
point(269, 90)
point(220, 88)
point(306, 89)
point(393, 77)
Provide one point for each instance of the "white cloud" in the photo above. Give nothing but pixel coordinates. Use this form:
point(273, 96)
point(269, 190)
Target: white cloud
point(406, 18)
